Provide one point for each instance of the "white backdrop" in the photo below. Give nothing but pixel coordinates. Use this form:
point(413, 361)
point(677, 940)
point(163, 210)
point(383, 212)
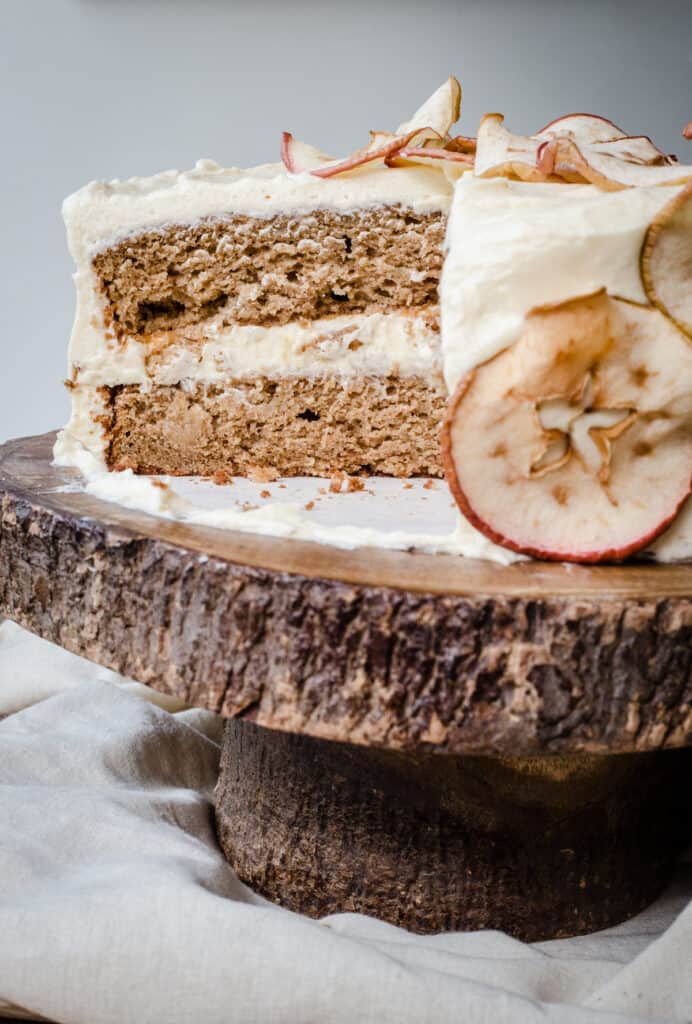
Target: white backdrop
point(111, 88)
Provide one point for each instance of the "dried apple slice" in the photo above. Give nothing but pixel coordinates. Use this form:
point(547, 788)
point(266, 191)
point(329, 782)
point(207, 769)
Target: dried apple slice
point(575, 444)
point(463, 144)
point(298, 156)
point(552, 162)
point(666, 260)
point(422, 140)
point(609, 173)
point(638, 149)
point(439, 112)
point(587, 128)
point(431, 155)
point(579, 148)
point(429, 125)
point(501, 154)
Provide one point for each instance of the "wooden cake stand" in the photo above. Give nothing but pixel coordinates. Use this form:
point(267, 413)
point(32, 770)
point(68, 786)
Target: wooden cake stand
point(440, 742)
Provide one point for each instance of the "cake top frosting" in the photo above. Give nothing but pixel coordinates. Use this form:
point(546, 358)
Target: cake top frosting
point(416, 166)
point(305, 180)
point(102, 212)
point(513, 246)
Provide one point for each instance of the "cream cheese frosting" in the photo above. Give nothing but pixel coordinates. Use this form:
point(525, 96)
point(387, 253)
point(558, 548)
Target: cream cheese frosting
point(512, 246)
point(357, 344)
point(103, 212)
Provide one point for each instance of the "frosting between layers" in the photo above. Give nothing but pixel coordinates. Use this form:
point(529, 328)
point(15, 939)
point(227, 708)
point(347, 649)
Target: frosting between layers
point(358, 344)
point(103, 212)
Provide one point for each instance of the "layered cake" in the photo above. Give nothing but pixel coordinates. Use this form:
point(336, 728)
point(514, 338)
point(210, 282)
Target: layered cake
point(513, 312)
point(282, 319)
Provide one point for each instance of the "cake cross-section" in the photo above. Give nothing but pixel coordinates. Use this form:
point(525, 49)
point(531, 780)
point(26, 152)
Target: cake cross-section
point(283, 318)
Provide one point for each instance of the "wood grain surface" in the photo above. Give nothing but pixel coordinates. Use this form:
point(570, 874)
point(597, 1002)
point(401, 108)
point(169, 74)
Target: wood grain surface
point(392, 649)
point(540, 848)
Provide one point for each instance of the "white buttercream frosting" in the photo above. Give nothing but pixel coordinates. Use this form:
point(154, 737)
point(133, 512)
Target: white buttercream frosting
point(345, 346)
point(103, 212)
point(512, 246)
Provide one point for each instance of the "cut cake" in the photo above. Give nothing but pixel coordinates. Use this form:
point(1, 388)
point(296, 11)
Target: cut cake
point(514, 312)
point(266, 320)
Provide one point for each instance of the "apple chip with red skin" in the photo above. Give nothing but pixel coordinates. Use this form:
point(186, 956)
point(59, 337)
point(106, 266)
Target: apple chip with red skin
point(575, 444)
point(501, 154)
point(637, 149)
point(609, 171)
point(579, 149)
point(299, 157)
point(666, 260)
point(439, 112)
point(428, 127)
point(588, 128)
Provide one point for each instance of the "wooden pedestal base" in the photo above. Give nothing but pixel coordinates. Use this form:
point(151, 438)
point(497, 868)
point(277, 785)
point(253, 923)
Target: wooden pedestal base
point(537, 847)
point(530, 713)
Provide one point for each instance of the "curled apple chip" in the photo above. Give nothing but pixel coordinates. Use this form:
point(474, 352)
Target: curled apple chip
point(601, 135)
point(666, 260)
point(501, 154)
point(430, 124)
point(579, 148)
point(607, 171)
point(552, 160)
point(299, 156)
point(638, 149)
point(587, 128)
point(431, 156)
point(439, 112)
point(575, 444)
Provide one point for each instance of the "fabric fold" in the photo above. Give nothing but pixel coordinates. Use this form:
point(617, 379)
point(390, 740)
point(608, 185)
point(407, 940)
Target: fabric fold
point(116, 903)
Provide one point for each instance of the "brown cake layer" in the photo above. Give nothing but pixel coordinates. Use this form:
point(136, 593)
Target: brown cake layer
point(271, 271)
point(295, 426)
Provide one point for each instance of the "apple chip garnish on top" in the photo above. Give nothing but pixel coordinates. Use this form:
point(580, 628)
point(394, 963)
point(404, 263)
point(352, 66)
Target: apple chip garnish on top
point(575, 444)
point(666, 260)
point(501, 154)
point(424, 139)
point(439, 112)
point(576, 149)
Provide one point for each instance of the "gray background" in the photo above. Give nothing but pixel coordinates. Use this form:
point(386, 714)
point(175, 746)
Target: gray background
point(111, 88)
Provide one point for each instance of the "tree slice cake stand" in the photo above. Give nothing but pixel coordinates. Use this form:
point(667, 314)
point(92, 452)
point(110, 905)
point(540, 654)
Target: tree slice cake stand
point(440, 742)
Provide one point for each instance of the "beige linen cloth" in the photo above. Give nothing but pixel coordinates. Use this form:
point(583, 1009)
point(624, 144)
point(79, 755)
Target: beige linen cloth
point(117, 905)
